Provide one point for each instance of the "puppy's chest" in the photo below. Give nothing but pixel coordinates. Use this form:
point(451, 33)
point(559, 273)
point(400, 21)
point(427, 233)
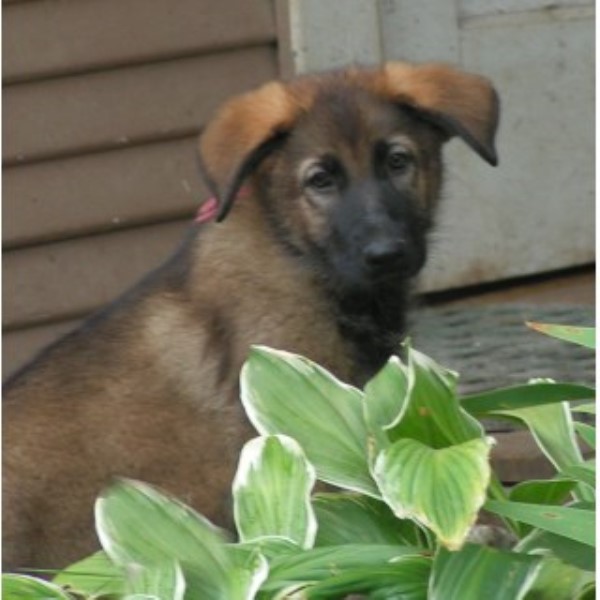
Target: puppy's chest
point(352, 344)
point(290, 305)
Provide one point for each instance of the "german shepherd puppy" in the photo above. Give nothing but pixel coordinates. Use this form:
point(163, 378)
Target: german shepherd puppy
point(331, 182)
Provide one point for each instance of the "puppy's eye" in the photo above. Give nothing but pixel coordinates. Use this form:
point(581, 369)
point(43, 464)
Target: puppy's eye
point(399, 160)
point(320, 180)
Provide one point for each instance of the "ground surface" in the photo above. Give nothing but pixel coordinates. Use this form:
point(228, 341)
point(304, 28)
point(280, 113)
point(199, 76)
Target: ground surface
point(479, 332)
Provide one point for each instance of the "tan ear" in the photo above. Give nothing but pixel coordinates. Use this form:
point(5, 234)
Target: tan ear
point(241, 134)
point(461, 103)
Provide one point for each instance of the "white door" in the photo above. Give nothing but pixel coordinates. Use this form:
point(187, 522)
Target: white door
point(535, 211)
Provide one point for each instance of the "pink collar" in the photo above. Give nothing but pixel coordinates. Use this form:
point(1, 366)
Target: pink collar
point(209, 209)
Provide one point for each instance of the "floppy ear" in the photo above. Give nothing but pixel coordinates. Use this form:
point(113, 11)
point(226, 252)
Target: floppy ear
point(243, 133)
point(459, 103)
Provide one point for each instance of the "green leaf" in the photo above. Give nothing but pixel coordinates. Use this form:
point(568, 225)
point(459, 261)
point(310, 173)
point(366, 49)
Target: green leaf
point(406, 578)
point(523, 396)
point(544, 491)
point(548, 491)
point(583, 473)
point(442, 489)
point(138, 525)
point(94, 575)
point(552, 427)
point(573, 523)
point(270, 547)
point(573, 553)
point(318, 564)
point(585, 408)
point(396, 592)
point(249, 572)
point(583, 336)
point(432, 414)
point(385, 399)
point(352, 518)
point(286, 393)
point(478, 572)
point(271, 491)
point(587, 434)
point(161, 581)
point(588, 592)
point(23, 587)
point(558, 581)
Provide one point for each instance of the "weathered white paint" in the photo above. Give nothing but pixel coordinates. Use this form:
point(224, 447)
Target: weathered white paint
point(326, 34)
point(499, 7)
point(535, 212)
point(407, 31)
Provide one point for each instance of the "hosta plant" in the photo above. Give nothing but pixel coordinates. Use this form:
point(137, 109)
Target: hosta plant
point(410, 463)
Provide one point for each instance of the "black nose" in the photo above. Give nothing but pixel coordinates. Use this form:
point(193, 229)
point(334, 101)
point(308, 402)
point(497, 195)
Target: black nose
point(384, 253)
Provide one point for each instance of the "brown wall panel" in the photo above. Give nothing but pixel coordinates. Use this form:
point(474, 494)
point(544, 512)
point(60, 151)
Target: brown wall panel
point(103, 101)
point(74, 196)
point(71, 278)
point(20, 346)
point(51, 37)
point(98, 111)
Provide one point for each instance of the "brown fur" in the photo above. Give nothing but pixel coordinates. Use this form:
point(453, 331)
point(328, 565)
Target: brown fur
point(148, 389)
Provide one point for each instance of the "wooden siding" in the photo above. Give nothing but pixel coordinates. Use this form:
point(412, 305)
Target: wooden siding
point(69, 278)
point(24, 343)
point(99, 111)
point(103, 102)
point(99, 192)
point(74, 36)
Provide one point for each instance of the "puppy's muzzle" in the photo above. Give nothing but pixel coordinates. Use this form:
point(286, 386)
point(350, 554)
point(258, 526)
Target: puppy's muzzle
point(385, 253)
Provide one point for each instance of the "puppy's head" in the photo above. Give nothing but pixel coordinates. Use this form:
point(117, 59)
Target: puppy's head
point(347, 165)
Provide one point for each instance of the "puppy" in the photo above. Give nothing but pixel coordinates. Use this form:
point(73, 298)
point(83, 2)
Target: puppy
point(331, 182)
